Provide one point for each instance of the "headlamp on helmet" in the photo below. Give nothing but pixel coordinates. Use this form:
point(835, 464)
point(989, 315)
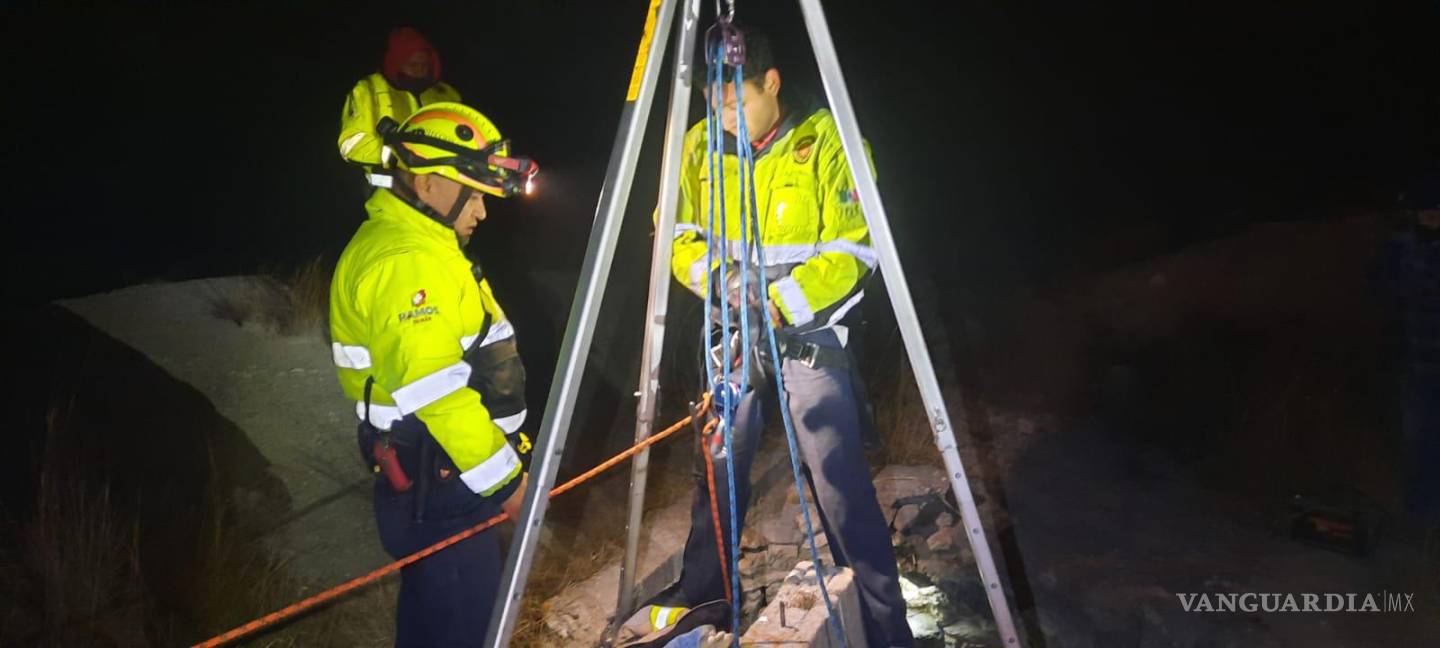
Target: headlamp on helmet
point(459, 143)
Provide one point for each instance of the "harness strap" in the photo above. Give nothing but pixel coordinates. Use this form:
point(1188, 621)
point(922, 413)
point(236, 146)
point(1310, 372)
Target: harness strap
point(814, 355)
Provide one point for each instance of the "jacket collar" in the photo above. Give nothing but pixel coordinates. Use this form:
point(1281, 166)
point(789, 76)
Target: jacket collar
point(386, 206)
point(793, 118)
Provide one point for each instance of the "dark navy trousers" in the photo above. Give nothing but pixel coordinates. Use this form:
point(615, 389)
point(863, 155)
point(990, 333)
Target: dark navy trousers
point(828, 430)
point(446, 598)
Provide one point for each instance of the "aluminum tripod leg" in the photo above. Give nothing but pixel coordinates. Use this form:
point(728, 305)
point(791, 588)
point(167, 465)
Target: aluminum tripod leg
point(656, 305)
point(839, 99)
point(575, 347)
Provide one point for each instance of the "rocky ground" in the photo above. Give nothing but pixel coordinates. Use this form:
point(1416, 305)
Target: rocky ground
point(1132, 438)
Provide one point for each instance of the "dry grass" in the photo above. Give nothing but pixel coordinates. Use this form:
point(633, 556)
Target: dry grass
point(74, 575)
point(905, 435)
point(556, 567)
point(288, 302)
point(71, 573)
point(78, 581)
point(239, 581)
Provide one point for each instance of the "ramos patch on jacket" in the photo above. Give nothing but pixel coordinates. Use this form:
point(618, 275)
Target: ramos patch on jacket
point(804, 148)
point(420, 312)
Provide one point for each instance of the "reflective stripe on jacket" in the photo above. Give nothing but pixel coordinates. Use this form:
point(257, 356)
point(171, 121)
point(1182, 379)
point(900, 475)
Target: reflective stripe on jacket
point(404, 308)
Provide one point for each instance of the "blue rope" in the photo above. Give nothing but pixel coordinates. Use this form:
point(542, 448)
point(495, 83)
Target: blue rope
point(747, 161)
point(721, 381)
point(723, 391)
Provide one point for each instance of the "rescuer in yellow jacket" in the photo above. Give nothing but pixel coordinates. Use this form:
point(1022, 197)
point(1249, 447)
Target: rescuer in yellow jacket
point(409, 78)
point(817, 257)
point(811, 224)
point(427, 354)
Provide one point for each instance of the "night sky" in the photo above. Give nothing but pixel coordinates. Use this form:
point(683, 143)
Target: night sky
point(176, 140)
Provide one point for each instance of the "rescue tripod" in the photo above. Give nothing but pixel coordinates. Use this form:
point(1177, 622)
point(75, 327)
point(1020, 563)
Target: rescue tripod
point(579, 332)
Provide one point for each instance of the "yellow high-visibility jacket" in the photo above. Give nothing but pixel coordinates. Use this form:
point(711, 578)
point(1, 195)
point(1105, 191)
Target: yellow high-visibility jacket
point(810, 219)
point(371, 99)
point(404, 308)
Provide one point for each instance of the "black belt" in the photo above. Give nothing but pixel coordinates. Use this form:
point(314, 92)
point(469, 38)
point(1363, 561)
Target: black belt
point(814, 355)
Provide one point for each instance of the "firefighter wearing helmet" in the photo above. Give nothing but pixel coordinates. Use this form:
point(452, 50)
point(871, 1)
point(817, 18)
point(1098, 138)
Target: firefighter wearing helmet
point(426, 353)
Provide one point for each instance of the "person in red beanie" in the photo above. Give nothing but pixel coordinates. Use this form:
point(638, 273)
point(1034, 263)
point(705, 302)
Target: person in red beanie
point(409, 78)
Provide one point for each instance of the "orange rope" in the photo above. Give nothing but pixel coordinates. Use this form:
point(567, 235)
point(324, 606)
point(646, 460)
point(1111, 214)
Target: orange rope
point(715, 510)
point(349, 586)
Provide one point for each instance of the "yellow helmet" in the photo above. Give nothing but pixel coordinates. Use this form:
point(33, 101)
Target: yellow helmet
point(459, 143)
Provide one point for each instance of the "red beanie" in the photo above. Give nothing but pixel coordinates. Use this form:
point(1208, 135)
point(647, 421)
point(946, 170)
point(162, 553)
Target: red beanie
point(404, 43)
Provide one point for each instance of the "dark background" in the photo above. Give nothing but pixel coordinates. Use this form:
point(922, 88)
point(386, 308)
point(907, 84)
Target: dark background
point(1020, 146)
point(1017, 145)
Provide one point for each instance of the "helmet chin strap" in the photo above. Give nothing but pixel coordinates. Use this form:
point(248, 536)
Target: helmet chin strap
point(458, 206)
point(406, 192)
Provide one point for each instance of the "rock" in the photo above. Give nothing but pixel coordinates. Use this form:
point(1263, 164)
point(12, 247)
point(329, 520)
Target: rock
point(779, 530)
point(779, 560)
point(945, 520)
point(752, 564)
point(796, 616)
point(819, 533)
point(923, 626)
point(752, 602)
point(919, 597)
point(918, 548)
point(905, 518)
point(971, 631)
point(944, 573)
point(926, 607)
point(946, 539)
point(900, 482)
point(751, 539)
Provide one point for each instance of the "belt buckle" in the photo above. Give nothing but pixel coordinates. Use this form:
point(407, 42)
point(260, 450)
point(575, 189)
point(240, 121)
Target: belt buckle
point(806, 354)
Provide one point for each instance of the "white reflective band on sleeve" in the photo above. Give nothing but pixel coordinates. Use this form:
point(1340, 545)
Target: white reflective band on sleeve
point(381, 416)
point(491, 472)
point(500, 331)
point(697, 276)
point(349, 144)
point(468, 340)
point(681, 228)
point(775, 254)
point(431, 388)
point(864, 253)
point(350, 356)
point(380, 180)
point(793, 298)
point(511, 423)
